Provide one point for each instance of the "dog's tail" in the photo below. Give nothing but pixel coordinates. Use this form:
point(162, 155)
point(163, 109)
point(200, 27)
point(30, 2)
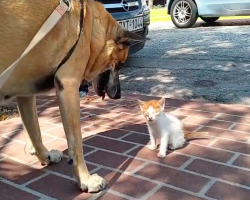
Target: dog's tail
point(196, 135)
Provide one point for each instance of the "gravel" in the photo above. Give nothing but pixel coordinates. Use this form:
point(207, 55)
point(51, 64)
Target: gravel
point(207, 64)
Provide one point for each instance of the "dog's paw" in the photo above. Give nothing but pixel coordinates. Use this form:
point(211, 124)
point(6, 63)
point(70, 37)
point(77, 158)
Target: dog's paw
point(161, 155)
point(54, 156)
point(32, 150)
point(94, 184)
point(152, 147)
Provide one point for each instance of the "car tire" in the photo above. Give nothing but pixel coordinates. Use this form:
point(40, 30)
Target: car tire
point(186, 17)
point(209, 19)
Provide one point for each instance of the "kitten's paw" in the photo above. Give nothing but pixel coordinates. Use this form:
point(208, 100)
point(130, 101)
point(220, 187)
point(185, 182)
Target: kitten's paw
point(171, 147)
point(161, 155)
point(152, 147)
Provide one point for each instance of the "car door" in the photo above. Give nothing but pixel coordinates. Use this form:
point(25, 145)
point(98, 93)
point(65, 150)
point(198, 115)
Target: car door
point(237, 5)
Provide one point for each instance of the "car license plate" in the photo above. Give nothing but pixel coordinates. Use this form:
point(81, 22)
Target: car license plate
point(132, 24)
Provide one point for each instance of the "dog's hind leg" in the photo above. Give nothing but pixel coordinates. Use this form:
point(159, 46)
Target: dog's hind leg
point(27, 109)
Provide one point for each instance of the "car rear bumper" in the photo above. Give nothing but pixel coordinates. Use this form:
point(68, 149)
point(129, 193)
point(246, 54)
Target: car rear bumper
point(137, 46)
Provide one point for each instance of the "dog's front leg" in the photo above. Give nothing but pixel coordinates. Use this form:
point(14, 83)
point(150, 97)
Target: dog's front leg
point(27, 109)
point(69, 104)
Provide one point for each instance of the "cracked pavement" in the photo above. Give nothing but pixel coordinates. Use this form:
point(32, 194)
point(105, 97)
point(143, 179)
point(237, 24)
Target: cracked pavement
point(204, 63)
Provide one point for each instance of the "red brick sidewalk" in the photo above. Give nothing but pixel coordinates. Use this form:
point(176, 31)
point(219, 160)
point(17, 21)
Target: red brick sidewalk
point(115, 136)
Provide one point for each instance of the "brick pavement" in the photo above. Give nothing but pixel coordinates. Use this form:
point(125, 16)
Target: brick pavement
point(114, 138)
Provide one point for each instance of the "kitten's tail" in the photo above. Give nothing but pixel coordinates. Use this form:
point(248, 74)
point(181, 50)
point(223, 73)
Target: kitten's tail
point(196, 135)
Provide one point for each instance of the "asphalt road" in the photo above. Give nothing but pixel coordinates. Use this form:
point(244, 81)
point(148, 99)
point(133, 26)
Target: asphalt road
point(204, 63)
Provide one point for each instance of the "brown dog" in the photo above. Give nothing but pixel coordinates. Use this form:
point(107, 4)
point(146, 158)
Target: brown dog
point(102, 45)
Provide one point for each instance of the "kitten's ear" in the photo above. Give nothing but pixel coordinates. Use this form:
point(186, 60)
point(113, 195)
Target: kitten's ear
point(141, 103)
point(162, 103)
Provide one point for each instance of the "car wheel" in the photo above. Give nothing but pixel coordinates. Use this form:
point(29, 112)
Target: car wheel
point(184, 13)
point(209, 19)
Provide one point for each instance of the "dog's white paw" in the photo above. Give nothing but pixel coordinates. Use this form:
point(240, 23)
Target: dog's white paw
point(54, 156)
point(161, 155)
point(95, 183)
point(32, 150)
point(152, 147)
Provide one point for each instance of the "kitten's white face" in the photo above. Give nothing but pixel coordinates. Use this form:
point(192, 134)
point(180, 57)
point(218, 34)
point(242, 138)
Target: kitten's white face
point(151, 114)
point(151, 110)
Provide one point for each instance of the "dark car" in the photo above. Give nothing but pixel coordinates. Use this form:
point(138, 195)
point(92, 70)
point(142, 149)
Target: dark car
point(134, 15)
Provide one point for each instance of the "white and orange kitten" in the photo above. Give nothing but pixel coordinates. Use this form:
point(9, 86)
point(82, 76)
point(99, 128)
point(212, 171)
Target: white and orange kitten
point(162, 125)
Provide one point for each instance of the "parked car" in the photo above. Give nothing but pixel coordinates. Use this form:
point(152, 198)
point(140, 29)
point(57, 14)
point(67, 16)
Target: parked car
point(134, 15)
point(184, 13)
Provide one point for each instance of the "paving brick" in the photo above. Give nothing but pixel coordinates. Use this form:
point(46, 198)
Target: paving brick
point(9, 192)
point(17, 172)
point(96, 120)
point(112, 145)
point(171, 159)
point(219, 171)
point(132, 109)
point(233, 146)
point(21, 136)
point(208, 122)
point(173, 177)
point(64, 168)
point(60, 188)
point(203, 142)
point(205, 152)
point(4, 141)
point(18, 151)
point(114, 133)
point(101, 112)
point(242, 137)
point(242, 127)
point(134, 118)
point(123, 101)
point(115, 161)
point(242, 161)
point(126, 184)
point(95, 111)
point(224, 191)
point(190, 127)
point(56, 132)
point(180, 117)
point(165, 193)
point(170, 109)
point(10, 125)
point(195, 113)
point(60, 145)
point(95, 129)
point(141, 128)
point(45, 113)
point(137, 138)
point(109, 196)
point(96, 104)
point(235, 118)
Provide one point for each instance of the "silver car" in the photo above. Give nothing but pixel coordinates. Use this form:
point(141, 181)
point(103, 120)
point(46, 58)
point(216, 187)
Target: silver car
point(184, 13)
